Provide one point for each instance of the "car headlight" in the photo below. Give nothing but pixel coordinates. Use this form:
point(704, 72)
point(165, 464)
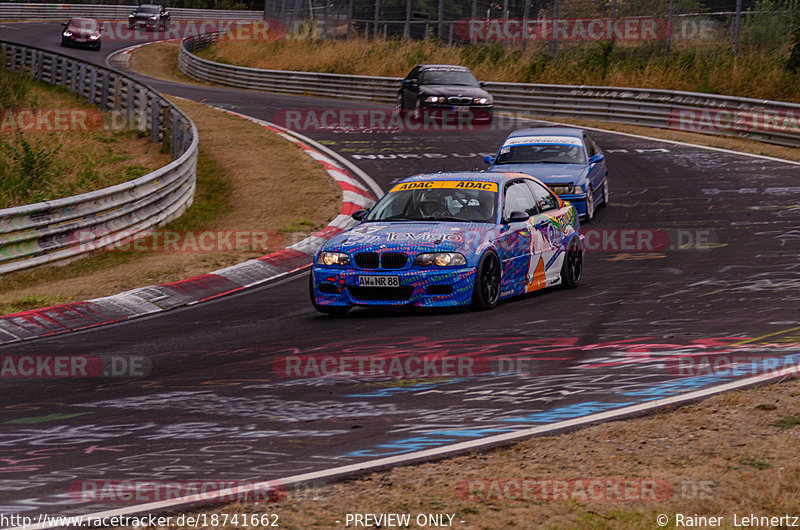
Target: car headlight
point(480, 101)
point(68, 34)
point(566, 189)
point(333, 258)
point(94, 37)
point(440, 259)
point(154, 17)
point(434, 99)
point(579, 190)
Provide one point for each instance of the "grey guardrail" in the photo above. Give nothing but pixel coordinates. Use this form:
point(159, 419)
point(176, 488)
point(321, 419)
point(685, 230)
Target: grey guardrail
point(20, 11)
point(710, 113)
point(64, 228)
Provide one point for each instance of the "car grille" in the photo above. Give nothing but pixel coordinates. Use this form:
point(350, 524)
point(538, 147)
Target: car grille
point(367, 260)
point(373, 260)
point(401, 293)
point(393, 260)
point(459, 100)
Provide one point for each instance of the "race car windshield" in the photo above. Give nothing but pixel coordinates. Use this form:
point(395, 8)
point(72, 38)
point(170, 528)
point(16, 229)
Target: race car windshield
point(448, 77)
point(541, 154)
point(148, 9)
point(470, 206)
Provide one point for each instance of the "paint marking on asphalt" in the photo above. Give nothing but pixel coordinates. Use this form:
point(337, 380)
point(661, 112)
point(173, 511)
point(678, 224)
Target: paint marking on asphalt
point(437, 452)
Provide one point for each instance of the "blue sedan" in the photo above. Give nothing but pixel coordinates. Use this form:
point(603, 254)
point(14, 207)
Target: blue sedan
point(566, 159)
point(451, 239)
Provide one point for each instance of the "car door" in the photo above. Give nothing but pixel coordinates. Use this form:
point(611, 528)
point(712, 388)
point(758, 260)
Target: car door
point(597, 170)
point(410, 88)
point(516, 238)
point(548, 233)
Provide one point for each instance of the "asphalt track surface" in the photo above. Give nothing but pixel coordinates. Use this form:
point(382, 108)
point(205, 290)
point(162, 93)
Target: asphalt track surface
point(723, 279)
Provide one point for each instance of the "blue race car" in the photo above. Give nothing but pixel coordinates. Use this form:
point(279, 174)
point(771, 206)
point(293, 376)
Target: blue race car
point(451, 239)
point(564, 158)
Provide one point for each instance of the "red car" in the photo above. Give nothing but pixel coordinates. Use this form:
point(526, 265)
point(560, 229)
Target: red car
point(84, 32)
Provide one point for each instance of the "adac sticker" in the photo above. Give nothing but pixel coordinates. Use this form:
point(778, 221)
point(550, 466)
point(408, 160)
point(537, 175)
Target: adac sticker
point(439, 184)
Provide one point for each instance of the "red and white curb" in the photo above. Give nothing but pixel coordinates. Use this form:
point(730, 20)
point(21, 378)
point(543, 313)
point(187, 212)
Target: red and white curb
point(358, 191)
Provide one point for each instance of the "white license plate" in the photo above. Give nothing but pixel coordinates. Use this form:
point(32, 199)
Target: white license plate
point(463, 108)
point(379, 281)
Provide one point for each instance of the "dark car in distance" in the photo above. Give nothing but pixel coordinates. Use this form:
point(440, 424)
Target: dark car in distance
point(83, 32)
point(149, 16)
point(444, 88)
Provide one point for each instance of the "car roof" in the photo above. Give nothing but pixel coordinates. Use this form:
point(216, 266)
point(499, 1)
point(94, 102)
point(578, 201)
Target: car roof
point(548, 131)
point(500, 177)
point(82, 19)
point(449, 66)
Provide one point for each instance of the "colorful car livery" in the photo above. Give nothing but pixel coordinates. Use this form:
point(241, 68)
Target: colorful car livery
point(566, 159)
point(451, 239)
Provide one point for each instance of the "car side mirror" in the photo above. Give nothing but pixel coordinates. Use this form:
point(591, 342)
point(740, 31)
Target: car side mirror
point(359, 215)
point(517, 217)
point(482, 84)
point(64, 25)
point(489, 159)
point(596, 158)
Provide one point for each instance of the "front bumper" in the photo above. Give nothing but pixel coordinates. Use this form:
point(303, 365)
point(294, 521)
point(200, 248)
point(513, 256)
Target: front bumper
point(440, 287)
point(81, 42)
point(579, 201)
point(479, 112)
point(144, 23)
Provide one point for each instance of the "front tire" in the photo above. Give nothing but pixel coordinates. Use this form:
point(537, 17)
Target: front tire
point(336, 310)
point(605, 193)
point(486, 291)
point(572, 268)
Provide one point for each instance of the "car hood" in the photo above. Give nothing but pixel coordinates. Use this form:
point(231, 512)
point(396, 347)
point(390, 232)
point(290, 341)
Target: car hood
point(412, 237)
point(547, 173)
point(452, 90)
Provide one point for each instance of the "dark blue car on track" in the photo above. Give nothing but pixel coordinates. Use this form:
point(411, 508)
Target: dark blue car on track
point(567, 159)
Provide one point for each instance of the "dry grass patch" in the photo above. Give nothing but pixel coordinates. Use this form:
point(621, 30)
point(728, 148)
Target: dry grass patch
point(44, 165)
point(724, 455)
point(249, 180)
point(711, 69)
point(159, 60)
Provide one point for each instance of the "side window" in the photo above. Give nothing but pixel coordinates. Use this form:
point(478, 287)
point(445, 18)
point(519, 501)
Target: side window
point(520, 198)
point(414, 73)
point(545, 200)
point(591, 147)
